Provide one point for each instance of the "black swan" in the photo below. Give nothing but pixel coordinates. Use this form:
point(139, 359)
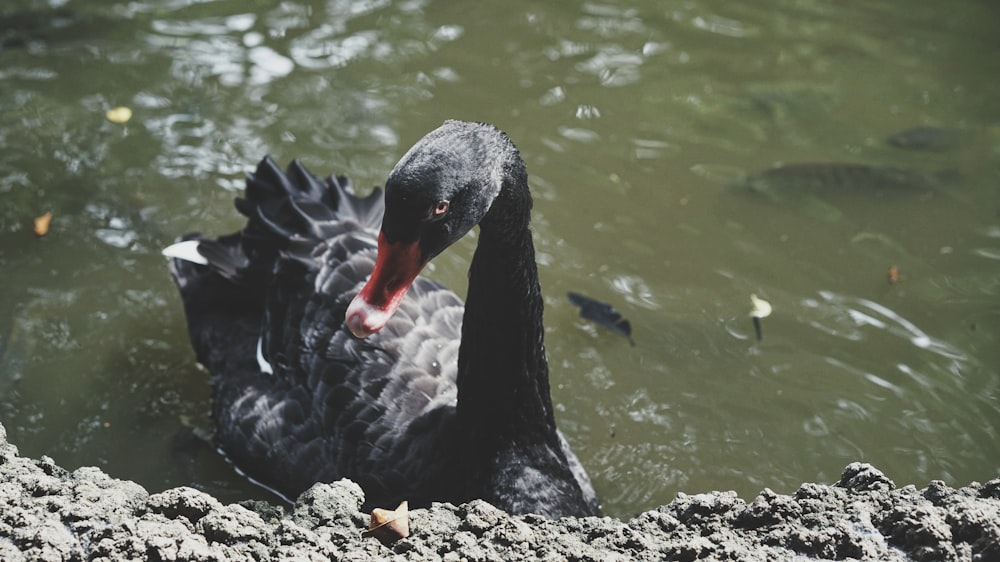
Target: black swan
point(427, 401)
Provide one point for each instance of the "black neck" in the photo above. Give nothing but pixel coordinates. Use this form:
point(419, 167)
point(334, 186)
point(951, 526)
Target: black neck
point(503, 377)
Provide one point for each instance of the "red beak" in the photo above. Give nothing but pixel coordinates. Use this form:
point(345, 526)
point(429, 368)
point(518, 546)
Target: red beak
point(396, 266)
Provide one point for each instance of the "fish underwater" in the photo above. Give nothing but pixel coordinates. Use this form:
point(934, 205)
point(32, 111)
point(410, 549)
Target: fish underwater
point(25, 28)
point(603, 314)
point(843, 177)
point(932, 139)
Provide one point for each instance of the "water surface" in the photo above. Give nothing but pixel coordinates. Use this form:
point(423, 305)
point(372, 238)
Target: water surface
point(638, 120)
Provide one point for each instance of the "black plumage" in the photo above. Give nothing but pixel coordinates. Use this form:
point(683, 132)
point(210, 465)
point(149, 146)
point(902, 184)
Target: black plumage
point(443, 402)
point(602, 313)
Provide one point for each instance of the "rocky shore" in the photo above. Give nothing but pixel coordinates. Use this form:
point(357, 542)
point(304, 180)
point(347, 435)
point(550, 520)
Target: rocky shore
point(48, 513)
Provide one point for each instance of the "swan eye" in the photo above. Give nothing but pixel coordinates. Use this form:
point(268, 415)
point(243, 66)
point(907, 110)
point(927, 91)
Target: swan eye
point(440, 208)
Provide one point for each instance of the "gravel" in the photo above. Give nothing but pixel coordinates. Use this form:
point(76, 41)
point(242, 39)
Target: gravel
point(48, 513)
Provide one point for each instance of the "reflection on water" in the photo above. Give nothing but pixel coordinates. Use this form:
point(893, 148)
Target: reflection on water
point(635, 120)
point(852, 316)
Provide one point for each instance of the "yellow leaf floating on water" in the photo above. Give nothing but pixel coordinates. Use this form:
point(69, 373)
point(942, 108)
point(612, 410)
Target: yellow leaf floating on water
point(119, 114)
point(389, 526)
point(42, 224)
point(894, 275)
point(761, 309)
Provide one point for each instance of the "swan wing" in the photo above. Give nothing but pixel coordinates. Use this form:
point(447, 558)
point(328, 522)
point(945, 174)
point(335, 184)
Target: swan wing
point(296, 398)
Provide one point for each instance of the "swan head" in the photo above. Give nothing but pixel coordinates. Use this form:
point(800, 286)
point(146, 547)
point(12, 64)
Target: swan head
point(440, 189)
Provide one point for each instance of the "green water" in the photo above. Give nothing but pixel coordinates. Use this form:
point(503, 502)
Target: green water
point(635, 119)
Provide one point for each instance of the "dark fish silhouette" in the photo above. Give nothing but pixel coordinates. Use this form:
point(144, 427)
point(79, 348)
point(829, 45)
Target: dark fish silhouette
point(934, 139)
point(830, 177)
point(603, 314)
point(19, 29)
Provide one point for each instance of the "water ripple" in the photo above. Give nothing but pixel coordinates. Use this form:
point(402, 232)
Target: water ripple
point(720, 25)
point(858, 313)
point(614, 66)
point(319, 50)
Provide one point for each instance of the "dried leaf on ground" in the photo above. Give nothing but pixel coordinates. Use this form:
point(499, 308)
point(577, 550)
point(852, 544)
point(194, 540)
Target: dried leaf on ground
point(388, 526)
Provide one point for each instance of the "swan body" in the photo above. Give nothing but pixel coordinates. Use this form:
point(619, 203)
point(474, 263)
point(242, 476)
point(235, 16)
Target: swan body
point(330, 357)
